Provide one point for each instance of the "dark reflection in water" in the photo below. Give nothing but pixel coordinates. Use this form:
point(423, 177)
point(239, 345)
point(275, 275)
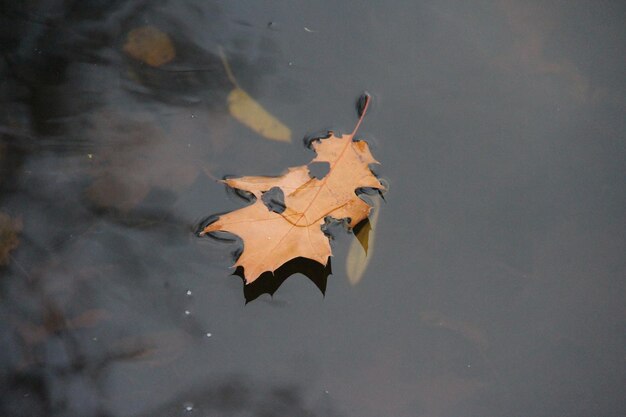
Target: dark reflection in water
point(495, 285)
point(238, 396)
point(268, 283)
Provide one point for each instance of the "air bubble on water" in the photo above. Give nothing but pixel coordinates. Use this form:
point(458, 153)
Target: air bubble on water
point(209, 334)
point(188, 407)
point(187, 312)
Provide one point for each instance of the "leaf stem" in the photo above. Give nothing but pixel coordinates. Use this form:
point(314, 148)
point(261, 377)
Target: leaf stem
point(367, 103)
point(229, 72)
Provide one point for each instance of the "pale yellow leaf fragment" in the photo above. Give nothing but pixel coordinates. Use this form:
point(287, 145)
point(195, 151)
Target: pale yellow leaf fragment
point(362, 247)
point(249, 112)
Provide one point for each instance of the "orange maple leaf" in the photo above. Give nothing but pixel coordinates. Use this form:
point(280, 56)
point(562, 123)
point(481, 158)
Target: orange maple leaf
point(271, 237)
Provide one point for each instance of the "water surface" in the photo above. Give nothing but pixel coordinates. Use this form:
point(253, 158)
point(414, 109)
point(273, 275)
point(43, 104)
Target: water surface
point(496, 284)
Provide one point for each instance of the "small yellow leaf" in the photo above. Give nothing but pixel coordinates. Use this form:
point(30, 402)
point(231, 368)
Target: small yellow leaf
point(149, 45)
point(249, 112)
point(362, 247)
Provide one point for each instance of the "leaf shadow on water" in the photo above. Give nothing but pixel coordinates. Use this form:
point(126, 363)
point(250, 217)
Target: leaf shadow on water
point(268, 282)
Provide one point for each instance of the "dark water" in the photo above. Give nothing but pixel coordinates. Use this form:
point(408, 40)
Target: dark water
point(496, 285)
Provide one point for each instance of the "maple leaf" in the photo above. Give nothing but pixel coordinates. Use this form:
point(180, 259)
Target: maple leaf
point(272, 236)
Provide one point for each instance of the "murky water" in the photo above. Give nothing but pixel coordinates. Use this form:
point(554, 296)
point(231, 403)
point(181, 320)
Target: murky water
point(496, 283)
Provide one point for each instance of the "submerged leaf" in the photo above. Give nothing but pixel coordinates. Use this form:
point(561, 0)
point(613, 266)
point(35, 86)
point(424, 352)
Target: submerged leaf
point(249, 112)
point(149, 45)
point(9, 236)
point(362, 247)
point(144, 159)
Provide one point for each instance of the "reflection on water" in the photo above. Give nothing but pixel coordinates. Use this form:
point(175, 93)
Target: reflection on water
point(238, 396)
point(268, 283)
point(496, 286)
